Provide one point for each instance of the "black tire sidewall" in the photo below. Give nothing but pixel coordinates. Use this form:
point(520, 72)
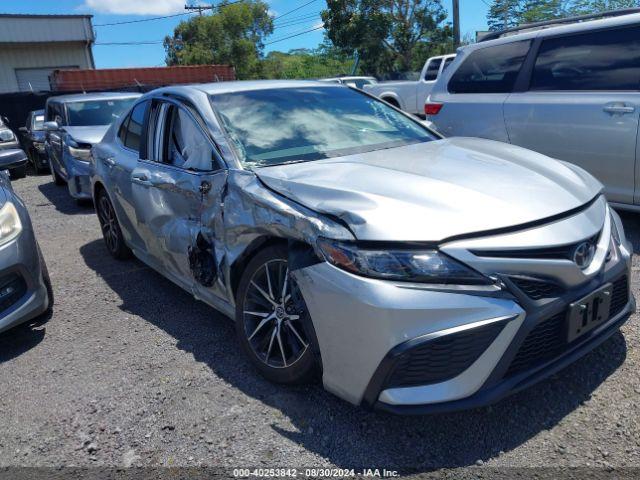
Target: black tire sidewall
point(122, 252)
point(302, 371)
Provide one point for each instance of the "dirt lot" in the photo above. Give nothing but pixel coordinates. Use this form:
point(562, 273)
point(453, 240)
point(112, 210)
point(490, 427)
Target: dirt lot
point(131, 371)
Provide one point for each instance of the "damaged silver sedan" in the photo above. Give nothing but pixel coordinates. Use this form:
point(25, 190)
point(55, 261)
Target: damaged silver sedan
point(413, 273)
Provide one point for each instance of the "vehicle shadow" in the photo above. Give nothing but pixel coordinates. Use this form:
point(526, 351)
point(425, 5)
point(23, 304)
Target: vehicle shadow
point(631, 223)
point(21, 339)
point(59, 197)
point(349, 436)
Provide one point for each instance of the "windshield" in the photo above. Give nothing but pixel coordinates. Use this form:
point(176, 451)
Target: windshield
point(97, 112)
point(38, 122)
point(276, 126)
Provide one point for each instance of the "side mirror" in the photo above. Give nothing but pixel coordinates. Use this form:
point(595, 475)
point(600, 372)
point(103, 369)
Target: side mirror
point(10, 159)
point(23, 130)
point(51, 126)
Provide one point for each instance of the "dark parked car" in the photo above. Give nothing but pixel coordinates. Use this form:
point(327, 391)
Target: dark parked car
point(9, 141)
point(33, 137)
point(25, 289)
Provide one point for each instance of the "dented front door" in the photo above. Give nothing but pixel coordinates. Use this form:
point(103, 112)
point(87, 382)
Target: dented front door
point(170, 205)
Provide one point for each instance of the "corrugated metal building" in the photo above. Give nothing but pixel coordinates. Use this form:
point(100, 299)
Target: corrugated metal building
point(33, 46)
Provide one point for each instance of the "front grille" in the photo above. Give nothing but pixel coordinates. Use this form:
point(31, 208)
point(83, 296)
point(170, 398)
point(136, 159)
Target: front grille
point(548, 339)
point(12, 288)
point(442, 358)
point(545, 342)
point(537, 289)
point(620, 296)
point(564, 252)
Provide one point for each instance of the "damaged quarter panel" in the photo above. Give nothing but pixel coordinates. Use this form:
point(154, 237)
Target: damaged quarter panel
point(253, 212)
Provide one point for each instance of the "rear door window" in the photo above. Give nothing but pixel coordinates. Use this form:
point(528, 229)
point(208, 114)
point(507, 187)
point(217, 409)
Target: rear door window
point(432, 69)
point(134, 127)
point(600, 60)
point(490, 69)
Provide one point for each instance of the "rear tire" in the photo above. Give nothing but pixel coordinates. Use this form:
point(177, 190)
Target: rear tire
point(110, 227)
point(18, 173)
point(273, 322)
point(393, 102)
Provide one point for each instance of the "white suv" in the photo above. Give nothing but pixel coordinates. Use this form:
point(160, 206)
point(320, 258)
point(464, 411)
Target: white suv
point(571, 92)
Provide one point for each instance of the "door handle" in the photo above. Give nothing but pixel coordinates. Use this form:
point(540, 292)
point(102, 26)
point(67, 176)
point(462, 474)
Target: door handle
point(109, 161)
point(141, 179)
point(618, 108)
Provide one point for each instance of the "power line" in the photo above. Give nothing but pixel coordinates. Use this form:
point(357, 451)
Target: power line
point(294, 35)
point(142, 42)
point(162, 17)
point(295, 9)
point(143, 20)
point(300, 22)
point(293, 19)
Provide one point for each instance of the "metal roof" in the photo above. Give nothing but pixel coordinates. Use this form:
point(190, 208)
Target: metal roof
point(21, 29)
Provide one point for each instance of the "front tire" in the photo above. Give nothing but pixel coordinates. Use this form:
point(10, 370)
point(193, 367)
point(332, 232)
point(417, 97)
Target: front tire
point(272, 320)
point(110, 227)
point(33, 156)
point(17, 173)
point(57, 179)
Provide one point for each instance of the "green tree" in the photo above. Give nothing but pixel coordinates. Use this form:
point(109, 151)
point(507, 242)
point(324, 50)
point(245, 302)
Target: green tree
point(385, 33)
point(234, 34)
point(325, 61)
point(540, 10)
point(503, 14)
point(585, 7)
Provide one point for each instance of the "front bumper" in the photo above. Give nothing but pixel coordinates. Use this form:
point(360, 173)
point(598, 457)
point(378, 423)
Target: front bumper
point(20, 259)
point(78, 177)
point(364, 326)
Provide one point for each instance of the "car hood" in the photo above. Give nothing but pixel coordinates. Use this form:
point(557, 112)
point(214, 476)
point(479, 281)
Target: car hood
point(90, 135)
point(437, 190)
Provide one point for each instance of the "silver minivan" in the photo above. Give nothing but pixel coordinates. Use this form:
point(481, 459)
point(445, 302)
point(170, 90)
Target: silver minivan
point(571, 92)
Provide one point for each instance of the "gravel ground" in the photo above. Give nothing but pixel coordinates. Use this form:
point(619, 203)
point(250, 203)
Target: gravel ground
point(130, 370)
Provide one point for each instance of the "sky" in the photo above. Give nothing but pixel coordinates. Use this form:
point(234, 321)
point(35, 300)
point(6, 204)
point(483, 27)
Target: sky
point(297, 16)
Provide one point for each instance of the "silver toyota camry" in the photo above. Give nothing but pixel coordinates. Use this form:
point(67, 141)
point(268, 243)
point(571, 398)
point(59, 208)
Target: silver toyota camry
point(412, 273)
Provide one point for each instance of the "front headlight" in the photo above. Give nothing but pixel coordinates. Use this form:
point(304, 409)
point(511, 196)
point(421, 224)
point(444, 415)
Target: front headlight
point(409, 265)
point(617, 230)
point(6, 135)
point(80, 152)
point(10, 225)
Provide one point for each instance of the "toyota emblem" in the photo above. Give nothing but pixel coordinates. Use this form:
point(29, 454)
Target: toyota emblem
point(583, 254)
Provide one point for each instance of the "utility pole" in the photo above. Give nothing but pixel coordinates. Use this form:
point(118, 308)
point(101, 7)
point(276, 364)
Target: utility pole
point(198, 8)
point(456, 24)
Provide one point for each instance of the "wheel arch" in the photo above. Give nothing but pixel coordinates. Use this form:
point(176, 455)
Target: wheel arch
point(301, 254)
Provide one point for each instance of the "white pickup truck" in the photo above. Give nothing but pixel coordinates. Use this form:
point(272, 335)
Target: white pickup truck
point(410, 96)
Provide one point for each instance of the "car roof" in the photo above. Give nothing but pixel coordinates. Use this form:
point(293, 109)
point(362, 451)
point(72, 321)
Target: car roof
point(578, 27)
point(85, 97)
point(245, 86)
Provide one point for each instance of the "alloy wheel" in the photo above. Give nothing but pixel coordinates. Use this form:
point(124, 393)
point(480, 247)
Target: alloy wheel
point(108, 223)
point(272, 316)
